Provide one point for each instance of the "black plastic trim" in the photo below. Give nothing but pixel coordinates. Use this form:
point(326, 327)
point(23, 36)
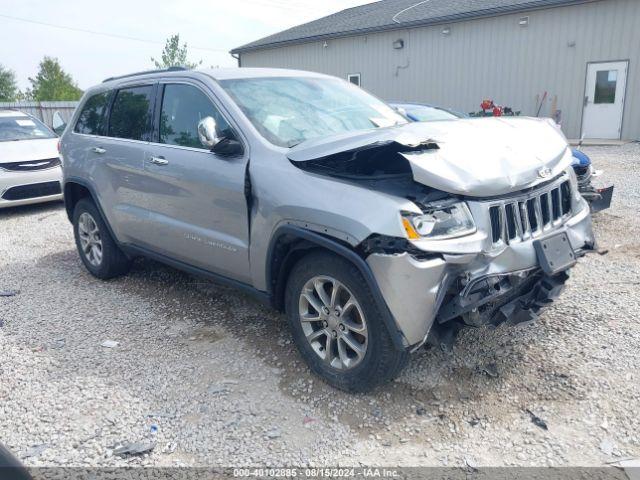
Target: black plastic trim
point(23, 166)
point(397, 337)
point(94, 197)
point(134, 250)
point(146, 72)
point(32, 190)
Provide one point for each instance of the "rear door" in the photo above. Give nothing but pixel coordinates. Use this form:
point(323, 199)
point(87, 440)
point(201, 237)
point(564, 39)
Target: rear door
point(198, 204)
point(116, 161)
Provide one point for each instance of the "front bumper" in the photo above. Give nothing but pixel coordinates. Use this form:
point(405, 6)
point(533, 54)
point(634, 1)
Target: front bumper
point(28, 187)
point(415, 290)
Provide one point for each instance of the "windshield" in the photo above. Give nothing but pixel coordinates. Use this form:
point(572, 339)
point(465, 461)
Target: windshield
point(290, 110)
point(23, 128)
point(428, 114)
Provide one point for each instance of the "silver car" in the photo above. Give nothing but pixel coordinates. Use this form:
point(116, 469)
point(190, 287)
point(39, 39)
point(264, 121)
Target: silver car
point(374, 235)
point(30, 170)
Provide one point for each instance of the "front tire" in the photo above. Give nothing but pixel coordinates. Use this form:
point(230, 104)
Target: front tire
point(97, 249)
point(337, 326)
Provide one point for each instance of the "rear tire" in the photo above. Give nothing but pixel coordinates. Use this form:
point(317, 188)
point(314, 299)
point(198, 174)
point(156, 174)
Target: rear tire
point(350, 348)
point(97, 249)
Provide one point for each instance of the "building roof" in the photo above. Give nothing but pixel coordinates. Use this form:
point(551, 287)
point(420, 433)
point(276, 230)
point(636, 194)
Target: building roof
point(395, 14)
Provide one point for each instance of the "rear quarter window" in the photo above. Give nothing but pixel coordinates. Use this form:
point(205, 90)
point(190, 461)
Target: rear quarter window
point(131, 113)
point(91, 120)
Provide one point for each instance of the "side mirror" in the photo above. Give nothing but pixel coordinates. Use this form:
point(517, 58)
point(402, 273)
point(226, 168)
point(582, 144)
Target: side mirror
point(208, 132)
point(58, 123)
point(228, 147)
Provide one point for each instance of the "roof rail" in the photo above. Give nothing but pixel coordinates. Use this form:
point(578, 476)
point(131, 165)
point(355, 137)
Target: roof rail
point(170, 69)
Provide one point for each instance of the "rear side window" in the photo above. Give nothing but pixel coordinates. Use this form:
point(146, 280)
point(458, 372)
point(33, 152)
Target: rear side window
point(130, 113)
point(183, 106)
point(92, 117)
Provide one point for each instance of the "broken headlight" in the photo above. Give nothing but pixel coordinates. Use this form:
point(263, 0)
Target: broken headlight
point(440, 221)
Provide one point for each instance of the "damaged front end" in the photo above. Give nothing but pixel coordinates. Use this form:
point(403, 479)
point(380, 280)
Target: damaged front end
point(512, 298)
point(497, 220)
point(512, 266)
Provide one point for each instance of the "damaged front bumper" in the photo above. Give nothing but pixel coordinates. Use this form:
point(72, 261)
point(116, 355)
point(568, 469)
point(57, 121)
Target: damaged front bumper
point(484, 278)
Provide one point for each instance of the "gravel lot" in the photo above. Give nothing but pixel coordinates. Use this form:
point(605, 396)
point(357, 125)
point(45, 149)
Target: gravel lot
point(212, 378)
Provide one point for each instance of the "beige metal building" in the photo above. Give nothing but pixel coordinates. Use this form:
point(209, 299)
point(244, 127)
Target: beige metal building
point(578, 60)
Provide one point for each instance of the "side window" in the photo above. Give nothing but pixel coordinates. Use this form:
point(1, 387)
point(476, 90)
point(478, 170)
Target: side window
point(91, 120)
point(130, 113)
point(183, 106)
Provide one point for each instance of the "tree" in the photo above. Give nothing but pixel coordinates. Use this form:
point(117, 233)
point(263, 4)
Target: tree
point(53, 83)
point(8, 86)
point(174, 55)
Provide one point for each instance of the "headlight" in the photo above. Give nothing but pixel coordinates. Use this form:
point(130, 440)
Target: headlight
point(440, 221)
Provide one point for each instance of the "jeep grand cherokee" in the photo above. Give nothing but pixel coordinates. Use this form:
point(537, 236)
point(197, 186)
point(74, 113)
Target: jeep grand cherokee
point(373, 235)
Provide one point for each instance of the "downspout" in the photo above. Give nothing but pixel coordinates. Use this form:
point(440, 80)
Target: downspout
point(237, 57)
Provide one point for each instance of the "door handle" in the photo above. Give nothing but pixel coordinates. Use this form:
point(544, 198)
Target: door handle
point(98, 150)
point(586, 100)
point(159, 161)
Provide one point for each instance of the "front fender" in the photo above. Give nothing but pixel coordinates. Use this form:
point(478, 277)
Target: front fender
point(295, 233)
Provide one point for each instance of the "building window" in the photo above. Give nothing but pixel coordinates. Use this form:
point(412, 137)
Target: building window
point(354, 78)
point(606, 83)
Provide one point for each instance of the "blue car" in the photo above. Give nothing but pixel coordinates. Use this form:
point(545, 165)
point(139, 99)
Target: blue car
point(598, 198)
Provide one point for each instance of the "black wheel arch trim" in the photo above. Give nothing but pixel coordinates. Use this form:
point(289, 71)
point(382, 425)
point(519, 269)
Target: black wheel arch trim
point(334, 246)
point(94, 197)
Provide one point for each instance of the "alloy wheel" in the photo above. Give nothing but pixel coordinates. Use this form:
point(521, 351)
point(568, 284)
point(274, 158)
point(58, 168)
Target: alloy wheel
point(333, 322)
point(90, 239)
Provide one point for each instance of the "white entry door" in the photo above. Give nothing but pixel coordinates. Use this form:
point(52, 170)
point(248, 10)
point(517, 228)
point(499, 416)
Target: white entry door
point(604, 100)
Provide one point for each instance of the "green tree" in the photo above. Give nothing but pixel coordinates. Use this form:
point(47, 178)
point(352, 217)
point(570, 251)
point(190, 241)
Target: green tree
point(174, 55)
point(53, 83)
point(8, 86)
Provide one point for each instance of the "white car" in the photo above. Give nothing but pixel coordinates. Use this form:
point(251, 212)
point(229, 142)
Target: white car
point(30, 166)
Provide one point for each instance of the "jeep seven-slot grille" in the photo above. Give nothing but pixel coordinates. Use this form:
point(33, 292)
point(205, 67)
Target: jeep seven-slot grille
point(521, 218)
point(30, 165)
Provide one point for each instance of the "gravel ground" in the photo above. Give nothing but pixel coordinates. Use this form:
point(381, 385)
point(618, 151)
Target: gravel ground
point(211, 377)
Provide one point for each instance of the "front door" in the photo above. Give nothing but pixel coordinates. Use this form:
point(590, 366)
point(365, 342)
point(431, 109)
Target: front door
point(604, 100)
point(198, 207)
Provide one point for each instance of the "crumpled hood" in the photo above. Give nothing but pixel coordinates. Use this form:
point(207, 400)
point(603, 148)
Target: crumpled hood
point(475, 157)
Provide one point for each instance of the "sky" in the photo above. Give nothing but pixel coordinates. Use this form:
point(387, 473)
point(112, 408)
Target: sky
point(209, 27)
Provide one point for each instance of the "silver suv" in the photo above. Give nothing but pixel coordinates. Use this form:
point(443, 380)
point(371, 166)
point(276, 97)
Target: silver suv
point(373, 234)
